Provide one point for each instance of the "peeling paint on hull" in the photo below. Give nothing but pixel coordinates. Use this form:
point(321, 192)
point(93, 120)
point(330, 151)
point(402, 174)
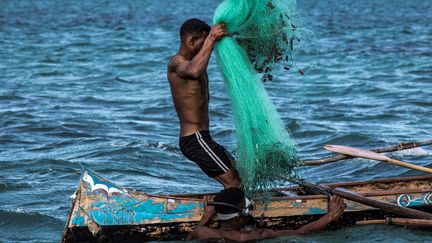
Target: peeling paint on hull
point(100, 203)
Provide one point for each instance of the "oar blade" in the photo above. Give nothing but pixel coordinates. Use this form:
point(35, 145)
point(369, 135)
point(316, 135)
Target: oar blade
point(356, 152)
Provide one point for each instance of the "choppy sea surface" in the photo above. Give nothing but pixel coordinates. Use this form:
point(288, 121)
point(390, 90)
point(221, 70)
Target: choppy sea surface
point(85, 82)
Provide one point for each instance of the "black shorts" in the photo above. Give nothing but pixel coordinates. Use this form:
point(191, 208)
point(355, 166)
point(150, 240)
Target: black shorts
point(211, 157)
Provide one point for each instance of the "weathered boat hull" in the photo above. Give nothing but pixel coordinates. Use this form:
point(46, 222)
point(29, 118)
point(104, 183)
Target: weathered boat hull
point(104, 212)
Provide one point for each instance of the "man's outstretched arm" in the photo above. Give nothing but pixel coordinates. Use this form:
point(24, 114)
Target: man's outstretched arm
point(194, 68)
point(335, 210)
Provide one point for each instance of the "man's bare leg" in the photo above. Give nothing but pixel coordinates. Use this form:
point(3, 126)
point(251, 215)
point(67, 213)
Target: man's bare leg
point(229, 179)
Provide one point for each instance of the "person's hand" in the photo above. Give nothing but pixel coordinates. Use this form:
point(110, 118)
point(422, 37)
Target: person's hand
point(336, 207)
point(209, 211)
point(207, 208)
point(218, 31)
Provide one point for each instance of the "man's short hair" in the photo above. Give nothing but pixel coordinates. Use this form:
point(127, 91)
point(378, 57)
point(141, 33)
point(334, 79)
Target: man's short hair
point(193, 26)
point(232, 196)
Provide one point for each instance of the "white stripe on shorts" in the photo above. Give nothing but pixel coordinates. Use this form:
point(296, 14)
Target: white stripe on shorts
point(210, 152)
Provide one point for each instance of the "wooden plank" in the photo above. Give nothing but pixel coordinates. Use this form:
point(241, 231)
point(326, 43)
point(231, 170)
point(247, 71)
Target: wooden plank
point(369, 222)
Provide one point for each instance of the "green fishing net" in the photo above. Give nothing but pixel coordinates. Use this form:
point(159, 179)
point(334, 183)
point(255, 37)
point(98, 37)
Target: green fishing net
point(262, 34)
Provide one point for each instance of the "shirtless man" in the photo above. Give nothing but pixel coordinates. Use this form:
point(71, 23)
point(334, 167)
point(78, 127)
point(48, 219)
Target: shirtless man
point(187, 75)
point(233, 209)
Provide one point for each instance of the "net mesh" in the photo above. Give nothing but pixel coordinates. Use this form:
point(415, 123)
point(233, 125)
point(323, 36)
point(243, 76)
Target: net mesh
point(262, 34)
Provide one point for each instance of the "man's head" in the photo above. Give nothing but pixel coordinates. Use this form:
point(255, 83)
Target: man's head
point(231, 203)
point(193, 33)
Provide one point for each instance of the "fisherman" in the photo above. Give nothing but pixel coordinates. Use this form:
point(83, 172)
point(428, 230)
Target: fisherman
point(233, 210)
point(187, 75)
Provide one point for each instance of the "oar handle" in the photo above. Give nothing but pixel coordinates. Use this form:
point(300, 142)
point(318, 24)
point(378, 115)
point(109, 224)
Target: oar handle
point(409, 222)
point(408, 165)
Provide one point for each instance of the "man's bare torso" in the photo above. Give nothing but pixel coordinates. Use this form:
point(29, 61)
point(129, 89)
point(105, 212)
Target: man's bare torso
point(191, 98)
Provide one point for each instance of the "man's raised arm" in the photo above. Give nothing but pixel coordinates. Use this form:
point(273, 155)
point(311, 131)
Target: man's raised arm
point(194, 68)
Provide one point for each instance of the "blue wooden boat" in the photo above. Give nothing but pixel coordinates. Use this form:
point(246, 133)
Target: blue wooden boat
point(105, 212)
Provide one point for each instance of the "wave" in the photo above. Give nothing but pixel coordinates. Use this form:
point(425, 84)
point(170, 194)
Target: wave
point(353, 138)
point(25, 226)
point(414, 152)
point(95, 100)
point(163, 146)
point(22, 218)
point(10, 98)
point(4, 187)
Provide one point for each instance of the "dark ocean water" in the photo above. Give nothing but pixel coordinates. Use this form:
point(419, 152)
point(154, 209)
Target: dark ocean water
point(85, 82)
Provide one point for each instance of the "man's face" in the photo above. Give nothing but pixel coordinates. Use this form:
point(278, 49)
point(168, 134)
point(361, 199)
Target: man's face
point(197, 42)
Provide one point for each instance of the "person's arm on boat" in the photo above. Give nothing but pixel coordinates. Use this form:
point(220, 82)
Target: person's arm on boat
point(209, 212)
point(335, 210)
point(194, 68)
point(207, 217)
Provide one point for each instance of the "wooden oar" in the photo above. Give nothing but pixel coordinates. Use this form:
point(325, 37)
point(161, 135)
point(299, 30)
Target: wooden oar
point(409, 222)
point(352, 196)
point(426, 223)
point(339, 157)
point(356, 152)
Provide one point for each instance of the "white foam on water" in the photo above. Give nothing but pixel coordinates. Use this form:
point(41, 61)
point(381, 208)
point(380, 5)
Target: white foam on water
point(414, 152)
point(20, 210)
